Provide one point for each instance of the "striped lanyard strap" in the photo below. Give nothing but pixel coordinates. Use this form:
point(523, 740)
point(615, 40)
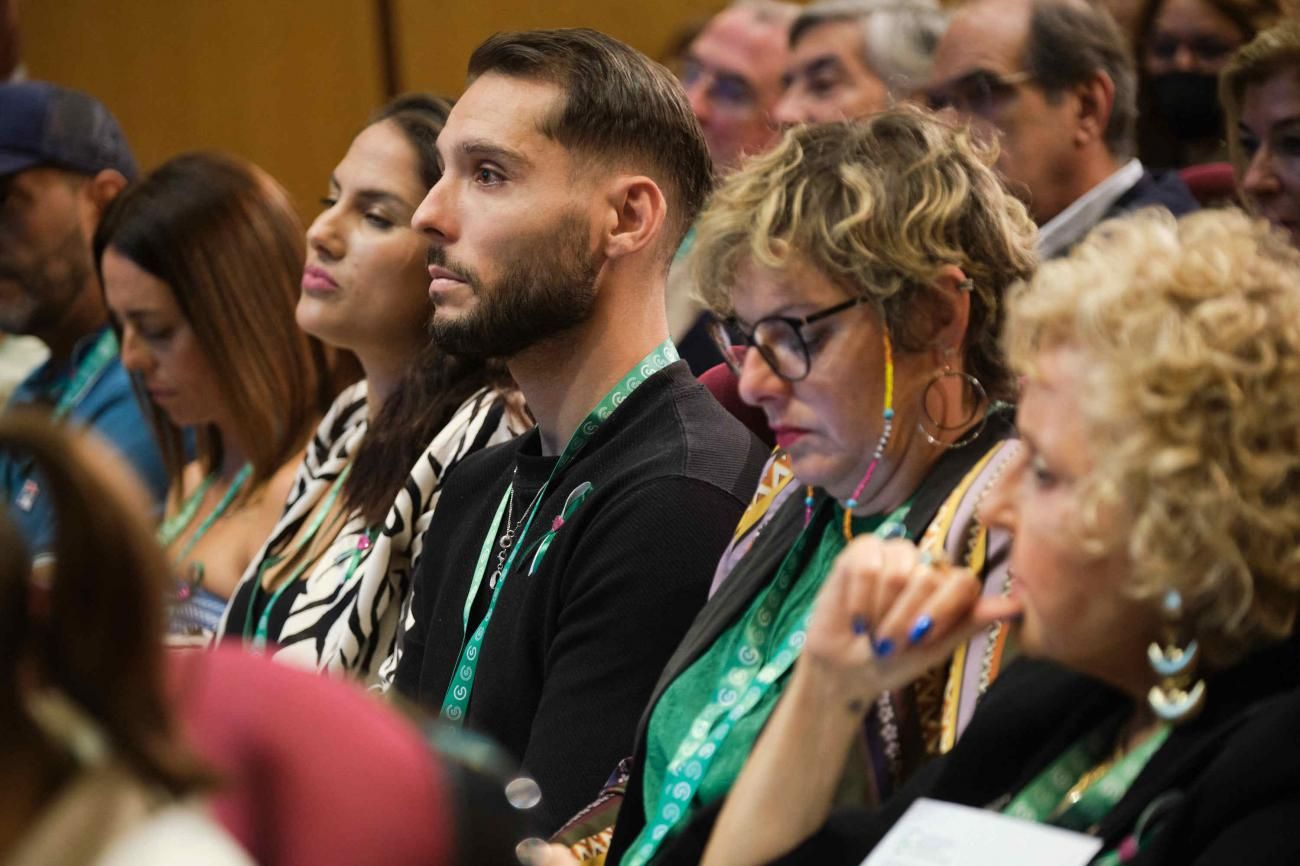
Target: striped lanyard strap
point(456, 700)
point(746, 681)
point(1075, 791)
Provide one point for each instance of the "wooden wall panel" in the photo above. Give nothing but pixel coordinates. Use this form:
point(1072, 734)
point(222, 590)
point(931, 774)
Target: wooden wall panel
point(286, 83)
point(282, 83)
point(436, 37)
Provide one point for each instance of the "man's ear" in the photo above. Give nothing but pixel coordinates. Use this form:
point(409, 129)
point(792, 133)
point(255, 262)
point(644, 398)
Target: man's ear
point(637, 214)
point(97, 193)
point(1096, 99)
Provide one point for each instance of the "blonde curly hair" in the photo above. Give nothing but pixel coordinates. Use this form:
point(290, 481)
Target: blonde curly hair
point(879, 206)
point(1190, 390)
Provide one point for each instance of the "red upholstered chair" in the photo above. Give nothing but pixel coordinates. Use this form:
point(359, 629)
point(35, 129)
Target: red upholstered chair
point(313, 771)
point(725, 388)
point(1213, 183)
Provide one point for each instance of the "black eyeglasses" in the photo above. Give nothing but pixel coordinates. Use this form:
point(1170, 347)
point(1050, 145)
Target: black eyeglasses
point(778, 339)
point(979, 92)
point(727, 89)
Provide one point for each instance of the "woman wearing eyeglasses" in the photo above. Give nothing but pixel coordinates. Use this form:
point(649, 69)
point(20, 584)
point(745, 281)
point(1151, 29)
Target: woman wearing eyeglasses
point(1152, 717)
point(862, 267)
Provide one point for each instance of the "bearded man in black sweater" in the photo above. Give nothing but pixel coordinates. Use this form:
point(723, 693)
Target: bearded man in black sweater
point(561, 570)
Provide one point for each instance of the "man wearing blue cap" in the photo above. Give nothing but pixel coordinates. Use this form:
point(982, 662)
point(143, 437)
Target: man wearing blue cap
point(62, 161)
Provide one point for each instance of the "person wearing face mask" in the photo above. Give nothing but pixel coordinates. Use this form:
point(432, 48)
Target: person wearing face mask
point(1181, 47)
point(1261, 97)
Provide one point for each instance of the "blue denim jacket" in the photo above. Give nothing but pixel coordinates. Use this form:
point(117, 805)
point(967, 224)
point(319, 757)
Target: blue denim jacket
point(109, 408)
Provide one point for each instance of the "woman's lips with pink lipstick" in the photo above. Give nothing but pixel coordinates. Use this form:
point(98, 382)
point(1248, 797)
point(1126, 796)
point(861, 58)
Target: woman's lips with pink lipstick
point(787, 436)
point(317, 280)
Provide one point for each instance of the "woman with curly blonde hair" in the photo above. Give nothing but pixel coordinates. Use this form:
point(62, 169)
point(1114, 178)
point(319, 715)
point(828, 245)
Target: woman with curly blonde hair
point(860, 268)
point(1155, 507)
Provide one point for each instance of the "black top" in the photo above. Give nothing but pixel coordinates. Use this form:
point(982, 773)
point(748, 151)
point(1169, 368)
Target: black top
point(1156, 189)
point(756, 570)
point(1221, 791)
point(573, 651)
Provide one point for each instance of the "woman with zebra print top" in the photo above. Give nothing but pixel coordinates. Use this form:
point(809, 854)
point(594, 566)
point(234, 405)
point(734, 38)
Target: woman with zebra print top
point(327, 588)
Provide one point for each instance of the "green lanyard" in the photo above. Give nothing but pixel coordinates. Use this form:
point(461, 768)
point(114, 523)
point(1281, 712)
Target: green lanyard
point(92, 366)
point(258, 637)
point(83, 378)
point(174, 526)
point(1041, 799)
point(739, 690)
point(456, 700)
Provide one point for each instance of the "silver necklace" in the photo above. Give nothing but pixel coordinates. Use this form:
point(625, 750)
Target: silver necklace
point(508, 537)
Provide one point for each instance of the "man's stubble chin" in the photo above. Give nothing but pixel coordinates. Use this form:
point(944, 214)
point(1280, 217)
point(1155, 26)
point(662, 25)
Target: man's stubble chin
point(545, 289)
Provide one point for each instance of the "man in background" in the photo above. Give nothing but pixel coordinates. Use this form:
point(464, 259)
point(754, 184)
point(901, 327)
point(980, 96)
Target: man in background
point(1054, 82)
point(732, 73)
point(852, 58)
point(62, 161)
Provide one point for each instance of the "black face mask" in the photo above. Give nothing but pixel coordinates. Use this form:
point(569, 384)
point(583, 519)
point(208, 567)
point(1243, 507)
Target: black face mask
point(1189, 103)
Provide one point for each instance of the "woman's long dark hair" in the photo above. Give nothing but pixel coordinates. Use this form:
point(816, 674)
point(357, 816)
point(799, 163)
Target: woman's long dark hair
point(436, 384)
point(224, 237)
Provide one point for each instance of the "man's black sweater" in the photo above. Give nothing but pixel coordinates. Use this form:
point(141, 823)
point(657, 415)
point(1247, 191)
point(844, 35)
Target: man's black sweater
point(573, 650)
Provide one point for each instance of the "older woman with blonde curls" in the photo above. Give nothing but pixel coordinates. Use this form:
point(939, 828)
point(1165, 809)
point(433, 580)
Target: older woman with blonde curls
point(1260, 89)
point(860, 268)
point(1155, 508)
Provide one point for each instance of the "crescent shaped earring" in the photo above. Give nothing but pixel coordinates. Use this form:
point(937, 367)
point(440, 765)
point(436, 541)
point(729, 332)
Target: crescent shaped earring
point(1178, 697)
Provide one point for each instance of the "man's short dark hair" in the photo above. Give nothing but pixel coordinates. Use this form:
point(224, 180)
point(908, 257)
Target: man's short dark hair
point(1072, 40)
point(618, 106)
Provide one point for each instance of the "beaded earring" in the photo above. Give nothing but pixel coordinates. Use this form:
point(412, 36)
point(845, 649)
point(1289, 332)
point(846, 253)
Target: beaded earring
point(1171, 699)
point(886, 430)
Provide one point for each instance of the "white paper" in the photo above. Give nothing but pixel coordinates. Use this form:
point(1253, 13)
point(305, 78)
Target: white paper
point(933, 833)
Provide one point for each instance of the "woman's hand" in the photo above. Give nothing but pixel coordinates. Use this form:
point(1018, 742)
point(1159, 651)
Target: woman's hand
point(887, 614)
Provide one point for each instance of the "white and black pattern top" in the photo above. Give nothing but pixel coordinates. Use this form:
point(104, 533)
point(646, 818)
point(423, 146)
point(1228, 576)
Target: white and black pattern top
point(328, 623)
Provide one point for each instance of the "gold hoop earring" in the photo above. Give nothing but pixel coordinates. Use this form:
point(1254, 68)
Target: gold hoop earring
point(1176, 698)
point(982, 398)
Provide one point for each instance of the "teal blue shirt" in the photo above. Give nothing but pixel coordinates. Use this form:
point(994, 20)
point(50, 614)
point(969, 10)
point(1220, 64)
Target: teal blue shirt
point(109, 408)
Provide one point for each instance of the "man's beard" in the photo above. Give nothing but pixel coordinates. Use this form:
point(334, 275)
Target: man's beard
point(46, 286)
point(547, 286)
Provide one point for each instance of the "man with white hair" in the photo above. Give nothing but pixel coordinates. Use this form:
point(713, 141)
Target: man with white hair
point(853, 58)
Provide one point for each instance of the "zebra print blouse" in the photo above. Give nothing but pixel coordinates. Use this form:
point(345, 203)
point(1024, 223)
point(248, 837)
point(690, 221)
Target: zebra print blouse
point(348, 628)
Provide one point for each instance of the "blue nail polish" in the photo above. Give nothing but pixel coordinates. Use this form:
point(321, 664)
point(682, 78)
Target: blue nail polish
point(859, 625)
point(884, 647)
point(920, 628)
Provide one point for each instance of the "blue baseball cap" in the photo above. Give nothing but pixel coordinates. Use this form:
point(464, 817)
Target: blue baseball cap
point(44, 124)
